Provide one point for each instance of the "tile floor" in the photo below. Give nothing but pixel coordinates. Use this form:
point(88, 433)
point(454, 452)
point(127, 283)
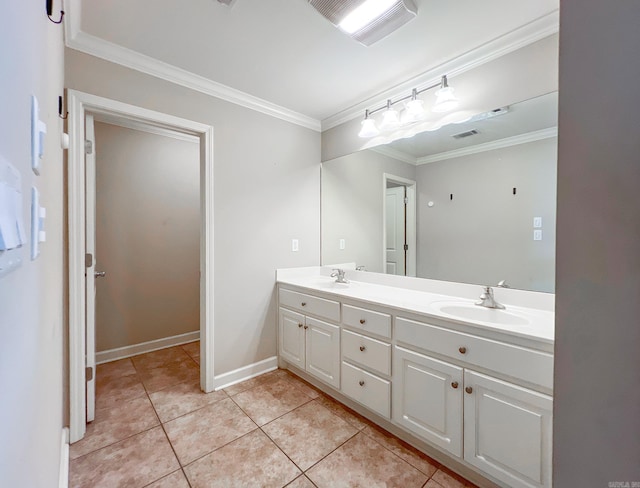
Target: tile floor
point(155, 428)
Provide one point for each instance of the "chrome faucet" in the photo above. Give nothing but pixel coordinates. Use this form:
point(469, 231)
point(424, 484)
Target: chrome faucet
point(361, 268)
point(487, 299)
point(338, 274)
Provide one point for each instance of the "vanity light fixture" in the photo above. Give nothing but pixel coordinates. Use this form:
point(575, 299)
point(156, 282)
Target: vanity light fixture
point(414, 109)
point(367, 21)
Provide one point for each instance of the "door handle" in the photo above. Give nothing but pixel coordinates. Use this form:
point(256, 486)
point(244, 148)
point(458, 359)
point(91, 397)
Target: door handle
point(100, 274)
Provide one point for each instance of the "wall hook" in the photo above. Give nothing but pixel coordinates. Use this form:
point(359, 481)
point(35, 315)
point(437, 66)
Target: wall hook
point(49, 6)
point(66, 114)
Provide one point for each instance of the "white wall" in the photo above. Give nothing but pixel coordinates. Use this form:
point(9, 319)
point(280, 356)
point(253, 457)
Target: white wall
point(147, 236)
point(267, 191)
point(31, 298)
point(597, 364)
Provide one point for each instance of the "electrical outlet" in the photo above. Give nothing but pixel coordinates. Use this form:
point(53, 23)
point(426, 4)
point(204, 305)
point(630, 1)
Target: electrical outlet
point(537, 235)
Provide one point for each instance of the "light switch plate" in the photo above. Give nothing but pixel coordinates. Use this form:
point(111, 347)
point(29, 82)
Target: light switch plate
point(38, 131)
point(342, 244)
point(537, 222)
point(294, 245)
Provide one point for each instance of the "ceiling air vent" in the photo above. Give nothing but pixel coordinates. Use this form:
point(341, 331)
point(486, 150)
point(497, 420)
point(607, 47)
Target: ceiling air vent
point(468, 133)
point(367, 21)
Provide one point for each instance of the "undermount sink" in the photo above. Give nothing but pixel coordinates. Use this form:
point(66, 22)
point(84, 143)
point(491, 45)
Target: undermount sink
point(470, 311)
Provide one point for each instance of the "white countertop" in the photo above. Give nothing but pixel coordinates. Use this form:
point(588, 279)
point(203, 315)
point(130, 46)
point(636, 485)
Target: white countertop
point(529, 323)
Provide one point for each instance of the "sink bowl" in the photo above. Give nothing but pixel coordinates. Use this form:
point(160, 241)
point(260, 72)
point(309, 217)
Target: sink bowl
point(470, 311)
point(327, 283)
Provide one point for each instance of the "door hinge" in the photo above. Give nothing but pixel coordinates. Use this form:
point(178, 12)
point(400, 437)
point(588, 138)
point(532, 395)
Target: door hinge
point(406, 247)
point(88, 372)
point(406, 200)
point(88, 146)
point(88, 260)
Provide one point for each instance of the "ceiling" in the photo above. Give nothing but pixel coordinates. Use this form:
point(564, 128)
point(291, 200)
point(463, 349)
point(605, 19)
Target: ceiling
point(286, 53)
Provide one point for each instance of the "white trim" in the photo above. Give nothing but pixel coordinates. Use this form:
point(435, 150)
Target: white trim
point(135, 125)
point(512, 41)
point(246, 372)
point(95, 46)
point(80, 103)
point(63, 473)
point(395, 154)
point(144, 347)
point(537, 135)
point(412, 229)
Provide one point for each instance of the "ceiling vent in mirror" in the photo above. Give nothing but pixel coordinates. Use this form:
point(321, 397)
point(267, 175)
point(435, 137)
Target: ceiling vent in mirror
point(468, 133)
point(367, 21)
point(228, 3)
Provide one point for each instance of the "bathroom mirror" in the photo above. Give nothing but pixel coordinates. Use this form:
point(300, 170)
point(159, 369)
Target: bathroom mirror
point(471, 202)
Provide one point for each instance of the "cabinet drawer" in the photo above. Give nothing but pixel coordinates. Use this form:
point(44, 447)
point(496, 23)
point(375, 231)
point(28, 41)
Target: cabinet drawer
point(308, 304)
point(368, 352)
point(518, 362)
point(368, 389)
point(367, 320)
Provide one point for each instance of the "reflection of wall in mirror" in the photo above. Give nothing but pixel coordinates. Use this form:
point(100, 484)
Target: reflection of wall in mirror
point(485, 234)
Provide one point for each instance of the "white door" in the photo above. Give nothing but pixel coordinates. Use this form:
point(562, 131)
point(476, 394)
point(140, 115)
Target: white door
point(428, 399)
point(292, 337)
point(395, 215)
point(323, 351)
point(90, 222)
point(507, 431)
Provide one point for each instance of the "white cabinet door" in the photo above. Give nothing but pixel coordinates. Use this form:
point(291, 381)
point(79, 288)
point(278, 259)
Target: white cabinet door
point(323, 351)
point(292, 337)
point(507, 431)
point(427, 398)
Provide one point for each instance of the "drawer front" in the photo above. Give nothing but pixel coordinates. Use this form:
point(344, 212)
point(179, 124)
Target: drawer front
point(367, 320)
point(366, 388)
point(518, 362)
point(366, 351)
point(309, 304)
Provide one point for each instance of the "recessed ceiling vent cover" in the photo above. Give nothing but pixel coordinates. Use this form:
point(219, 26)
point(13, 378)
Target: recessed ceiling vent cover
point(468, 133)
point(361, 20)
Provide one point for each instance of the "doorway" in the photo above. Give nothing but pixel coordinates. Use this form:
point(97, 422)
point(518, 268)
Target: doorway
point(81, 351)
point(399, 225)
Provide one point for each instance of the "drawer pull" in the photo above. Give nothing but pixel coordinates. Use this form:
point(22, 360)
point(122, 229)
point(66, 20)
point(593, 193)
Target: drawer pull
point(468, 389)
point(361, 383)
point(463, 350)
point(454, 384)
point(362, 321)
point(306, 327)
point(299, 325)
point(362, 348)
point(304, 304)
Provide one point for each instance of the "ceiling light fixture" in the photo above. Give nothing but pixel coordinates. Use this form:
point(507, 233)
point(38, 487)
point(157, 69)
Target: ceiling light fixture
point(414, 109)
point(367, 21)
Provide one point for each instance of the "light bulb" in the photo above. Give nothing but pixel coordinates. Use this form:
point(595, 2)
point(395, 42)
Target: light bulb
point(390, 119)
point(369, 128)
point(414, 111)
point(445, 100)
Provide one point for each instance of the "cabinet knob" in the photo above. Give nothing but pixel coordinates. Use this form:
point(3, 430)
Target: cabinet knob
point(299, 325)
point(463, 350)
point(362, 321)
point(454, 384)
point(304, 304)
point(468, 389)
point(361, 383)
point(362, 348)
point(306, 327)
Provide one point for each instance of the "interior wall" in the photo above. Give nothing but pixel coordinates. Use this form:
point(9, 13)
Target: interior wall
point(266, 193)
point(485, 234)
point(147, 236)
point(31, 297)
point(352, 207)
point(597, 368)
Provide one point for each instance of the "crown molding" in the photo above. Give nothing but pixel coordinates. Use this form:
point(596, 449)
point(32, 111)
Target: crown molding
point(133, 124)
point(76, 39)
point(534, 31)
point(537, 135)
point(395, 154)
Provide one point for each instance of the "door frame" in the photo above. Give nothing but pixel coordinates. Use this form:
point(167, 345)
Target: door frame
point(411, 187)
point(79, 103)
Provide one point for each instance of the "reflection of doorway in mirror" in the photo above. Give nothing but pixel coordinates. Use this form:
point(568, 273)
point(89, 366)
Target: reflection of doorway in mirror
point(399, 226)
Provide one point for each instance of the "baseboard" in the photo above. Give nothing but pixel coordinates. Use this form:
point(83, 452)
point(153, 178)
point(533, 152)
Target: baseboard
point(246, 372)
point(143, 347)
point(63, 480)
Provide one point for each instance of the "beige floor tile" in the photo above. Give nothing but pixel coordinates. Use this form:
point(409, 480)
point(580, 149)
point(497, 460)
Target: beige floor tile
point(114, 369)
point(183, 398)
point(345, 413)
point(403, 450)
point(192, 349)
point(170, 374)
point(200, 432)
point(301, 482)
point(362, 462)
point(174, 480)
point(251, 461)
point(432, 484)
point(302, 385)
point(448, 479)
point(136, 461)
point(252, 383)
point(159, 358)
point(270, 400)
point(111, 391)
point(309, 433)
point(114, 424)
